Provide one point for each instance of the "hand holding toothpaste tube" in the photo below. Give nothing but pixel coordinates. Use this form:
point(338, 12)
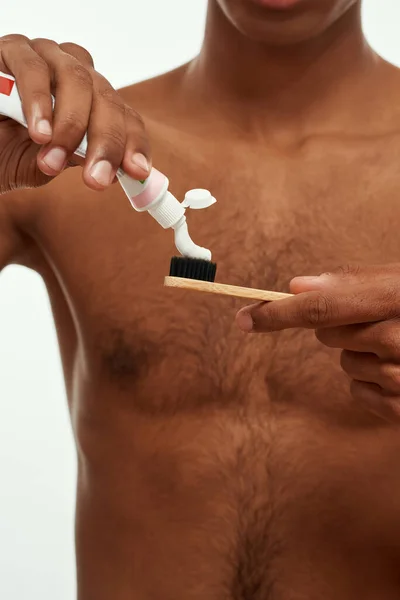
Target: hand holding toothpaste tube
point(56, 111)
point(84, 102)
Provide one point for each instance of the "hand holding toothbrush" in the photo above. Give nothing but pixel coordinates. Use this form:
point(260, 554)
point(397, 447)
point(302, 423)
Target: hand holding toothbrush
point(85, 102)
point(354, 309)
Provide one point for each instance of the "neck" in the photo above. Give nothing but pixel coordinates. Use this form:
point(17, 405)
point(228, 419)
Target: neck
point(276, 85)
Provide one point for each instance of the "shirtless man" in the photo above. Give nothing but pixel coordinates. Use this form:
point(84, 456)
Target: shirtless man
point(215, 465)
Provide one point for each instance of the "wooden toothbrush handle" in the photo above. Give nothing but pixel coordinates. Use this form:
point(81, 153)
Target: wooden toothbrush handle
point(224, 289)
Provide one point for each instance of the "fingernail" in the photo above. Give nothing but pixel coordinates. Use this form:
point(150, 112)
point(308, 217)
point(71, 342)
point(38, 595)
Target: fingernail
point(43, 126)
point(313, 280)
point(245, 321)
point(102, 172)
point(55, 159)
point(141, 161)
point(308, 279)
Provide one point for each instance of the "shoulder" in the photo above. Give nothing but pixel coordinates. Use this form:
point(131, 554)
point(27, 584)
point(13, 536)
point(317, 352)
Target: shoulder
point(154, 97)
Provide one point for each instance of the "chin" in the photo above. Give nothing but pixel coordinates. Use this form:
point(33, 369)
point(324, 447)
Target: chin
point(280, 22)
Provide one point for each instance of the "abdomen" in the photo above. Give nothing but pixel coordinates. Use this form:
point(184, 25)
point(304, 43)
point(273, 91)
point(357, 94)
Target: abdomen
point(236, 503)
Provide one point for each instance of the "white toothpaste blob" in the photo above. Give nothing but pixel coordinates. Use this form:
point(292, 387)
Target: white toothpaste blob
point(185, 244)
point(153, 196)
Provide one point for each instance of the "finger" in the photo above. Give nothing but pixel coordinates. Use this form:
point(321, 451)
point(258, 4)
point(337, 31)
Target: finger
point(78, 52)
point(32, 76)
point(370, 368)
point(348, 275)
point(335, 307)
point(382, 338)
point(137, 158)
point(106, 135)
point(308, 310)
point(373, 399)
point(73, 93)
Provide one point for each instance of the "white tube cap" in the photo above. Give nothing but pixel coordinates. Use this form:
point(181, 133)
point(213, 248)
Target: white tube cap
point(198, 199)
point(167, 211)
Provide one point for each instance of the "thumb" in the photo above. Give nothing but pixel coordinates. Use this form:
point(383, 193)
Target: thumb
point(345, 275)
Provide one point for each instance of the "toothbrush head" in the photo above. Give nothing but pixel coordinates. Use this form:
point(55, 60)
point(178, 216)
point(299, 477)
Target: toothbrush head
point(192, 268)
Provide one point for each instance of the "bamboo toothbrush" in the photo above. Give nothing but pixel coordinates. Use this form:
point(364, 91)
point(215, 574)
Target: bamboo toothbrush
point(210, 287)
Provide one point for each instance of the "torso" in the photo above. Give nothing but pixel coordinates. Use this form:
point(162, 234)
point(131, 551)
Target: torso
point(211, 464)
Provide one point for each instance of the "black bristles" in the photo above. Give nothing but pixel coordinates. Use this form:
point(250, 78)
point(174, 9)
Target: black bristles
point(192, 268)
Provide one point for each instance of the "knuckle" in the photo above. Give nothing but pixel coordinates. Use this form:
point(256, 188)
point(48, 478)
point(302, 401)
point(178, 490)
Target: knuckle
point(108, 95)
point(37, 64)
point(77, 51)
point(114, 136)
point(263, 318)
point(72, 123)
point(13, 38)
point(42, 43)
point(79, 74)
point(131, 113)
point(347, 270)
point(139, 142)
point(106, 92)
point(317, 310)
point(40, 97)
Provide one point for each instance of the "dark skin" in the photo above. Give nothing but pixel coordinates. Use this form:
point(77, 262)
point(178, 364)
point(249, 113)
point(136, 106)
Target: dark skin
point(348, 311)
point(214, 465)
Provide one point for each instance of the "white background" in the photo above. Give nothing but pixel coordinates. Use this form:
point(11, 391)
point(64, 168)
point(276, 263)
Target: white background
point(37, 461)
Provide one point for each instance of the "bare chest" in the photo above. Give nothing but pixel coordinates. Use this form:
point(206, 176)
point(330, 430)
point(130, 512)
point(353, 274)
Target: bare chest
point(245, 428)
point(285, 216)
